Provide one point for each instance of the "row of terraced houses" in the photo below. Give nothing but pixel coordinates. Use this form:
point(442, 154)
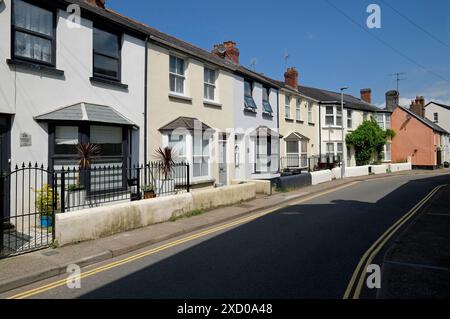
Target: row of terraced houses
point(120, 84)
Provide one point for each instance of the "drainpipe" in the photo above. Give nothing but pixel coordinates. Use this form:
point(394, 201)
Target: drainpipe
point(145, 107)
point(279, 133)
point(320, 131)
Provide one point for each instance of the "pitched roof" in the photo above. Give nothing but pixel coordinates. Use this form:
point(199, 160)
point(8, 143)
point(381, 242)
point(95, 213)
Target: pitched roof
point(173, 42)
point(425, 121)
point(439, 104)
point(186, 123)
point(296, 137)
point(86, 112)
point(350, 101)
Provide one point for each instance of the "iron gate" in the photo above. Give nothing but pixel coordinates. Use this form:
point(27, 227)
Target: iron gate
point(28, 202)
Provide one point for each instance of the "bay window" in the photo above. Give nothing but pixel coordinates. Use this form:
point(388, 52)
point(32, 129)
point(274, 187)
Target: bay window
point(66, 140)
point(292, 153)
point(178, 144)
point(33, 33)
point(210, 84)
point(108, 138)
point(200, 156)
point(177, 75)
point(107, 55)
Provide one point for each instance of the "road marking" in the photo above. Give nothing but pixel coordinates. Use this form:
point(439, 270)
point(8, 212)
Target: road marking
point(62, 282)
point(378, 245)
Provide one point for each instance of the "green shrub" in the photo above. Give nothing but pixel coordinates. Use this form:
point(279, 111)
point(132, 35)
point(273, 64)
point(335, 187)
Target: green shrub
point(45, 202)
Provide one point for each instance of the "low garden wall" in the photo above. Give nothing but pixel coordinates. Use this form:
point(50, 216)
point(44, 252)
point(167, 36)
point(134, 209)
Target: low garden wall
point(400, 167)
point(262, 187)
point(295, 181)
point(357, 171)
point(95, 223)
point(336, 173)
point(379, 169)
point(321, 177)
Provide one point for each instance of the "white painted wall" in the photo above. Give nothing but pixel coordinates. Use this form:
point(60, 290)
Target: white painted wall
point(245, 123)
point(444, 115)
point(27, 94)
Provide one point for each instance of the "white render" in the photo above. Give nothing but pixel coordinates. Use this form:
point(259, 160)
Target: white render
point(444, 122)
point(26, 94)
point(245, 123)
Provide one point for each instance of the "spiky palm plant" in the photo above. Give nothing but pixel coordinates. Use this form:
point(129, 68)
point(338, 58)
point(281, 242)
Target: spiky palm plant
point(87, 152)
point(166, 157)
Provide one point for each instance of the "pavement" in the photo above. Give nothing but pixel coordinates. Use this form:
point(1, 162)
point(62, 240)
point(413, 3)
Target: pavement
point(27, 269)
point(417, 265)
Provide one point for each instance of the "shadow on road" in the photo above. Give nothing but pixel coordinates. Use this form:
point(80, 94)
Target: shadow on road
point(304, 251)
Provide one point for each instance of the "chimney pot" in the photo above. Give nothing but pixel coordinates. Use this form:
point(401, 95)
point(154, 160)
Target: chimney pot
point(366, 95)
point(97, 3)
point(231, 51)
point(291, 78)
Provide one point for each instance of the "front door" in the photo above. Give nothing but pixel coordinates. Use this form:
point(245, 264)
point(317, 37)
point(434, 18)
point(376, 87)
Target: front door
point(223, 180)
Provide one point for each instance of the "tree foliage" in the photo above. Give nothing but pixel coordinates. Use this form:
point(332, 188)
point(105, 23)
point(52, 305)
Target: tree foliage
point(369, 140)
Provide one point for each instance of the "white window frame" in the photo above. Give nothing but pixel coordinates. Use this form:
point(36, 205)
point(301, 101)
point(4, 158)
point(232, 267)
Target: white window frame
point(287, 107)
point(203, 156)
point(310, 107)
point(298, 110)
point(339, 116)
point(436, 117)
point(330, 115)
point(176, 75)
point(207, 84)
point(350, 119)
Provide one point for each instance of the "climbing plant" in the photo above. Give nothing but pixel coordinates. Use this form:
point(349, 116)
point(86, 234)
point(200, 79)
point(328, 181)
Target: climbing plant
point(369, 140)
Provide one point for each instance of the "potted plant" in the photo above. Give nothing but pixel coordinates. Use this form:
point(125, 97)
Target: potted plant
point(46, 204)
point(166, 162)
point(76, 194)
point(149, 191)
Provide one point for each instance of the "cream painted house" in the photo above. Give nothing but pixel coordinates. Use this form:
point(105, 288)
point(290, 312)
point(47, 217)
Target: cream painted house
point(190, 108)
point(299, 125)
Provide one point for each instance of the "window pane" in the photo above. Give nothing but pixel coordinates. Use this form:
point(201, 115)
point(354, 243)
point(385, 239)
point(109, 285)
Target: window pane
point(178, 144)
point(179, 85)
point(173, 64)
point(329, 120)
point(29, 46)
point(106, 43)
point(247, 88)
point(108, 138)
point(106, 66)
point(330, 110)
point(339, 120)
point(304, 147)
point(66, 140)
point(33, 18)
point(292, 147)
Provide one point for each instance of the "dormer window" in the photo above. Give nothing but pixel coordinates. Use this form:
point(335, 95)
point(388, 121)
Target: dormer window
point(266, 102)
point(248, 97)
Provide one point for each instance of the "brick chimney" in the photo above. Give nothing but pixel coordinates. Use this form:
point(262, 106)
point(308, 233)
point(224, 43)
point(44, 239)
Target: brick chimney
point(228, 50)
point(97, 3)
point(418, 106)
point(366, 95)
point(392, 100)
point(291, 78)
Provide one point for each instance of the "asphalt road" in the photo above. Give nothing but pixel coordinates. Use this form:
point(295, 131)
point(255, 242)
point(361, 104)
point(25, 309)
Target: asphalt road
point(305, 251)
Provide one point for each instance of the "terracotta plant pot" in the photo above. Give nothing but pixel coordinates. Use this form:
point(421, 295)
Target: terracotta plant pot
point(149, 195)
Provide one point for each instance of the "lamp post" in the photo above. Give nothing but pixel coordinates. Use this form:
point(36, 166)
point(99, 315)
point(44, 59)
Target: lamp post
point(343, 133)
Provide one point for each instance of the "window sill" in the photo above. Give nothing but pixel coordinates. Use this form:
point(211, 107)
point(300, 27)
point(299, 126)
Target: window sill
point(289, 120)
point(300, 121)
point(98, 80)
point(248, 110)
point(35, 67)
point(180, 97)
point(268, 114)
point(212, 103)
point(311, 124)
point(333, 127)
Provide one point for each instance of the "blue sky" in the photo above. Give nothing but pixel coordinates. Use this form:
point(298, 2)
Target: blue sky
point(326, 47)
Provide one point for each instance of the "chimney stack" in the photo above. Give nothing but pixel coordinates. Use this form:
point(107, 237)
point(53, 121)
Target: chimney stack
point(291, 78)
point(366, 95)
point(97, 3)
point(228, 50)
point(418, 106)
point(392, 100)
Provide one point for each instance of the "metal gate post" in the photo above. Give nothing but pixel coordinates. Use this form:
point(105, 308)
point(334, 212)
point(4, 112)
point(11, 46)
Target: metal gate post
point(63, 192)
point(2, 208)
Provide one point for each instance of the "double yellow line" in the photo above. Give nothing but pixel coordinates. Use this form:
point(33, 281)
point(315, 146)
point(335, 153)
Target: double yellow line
point(373, 251)
point(63, 282)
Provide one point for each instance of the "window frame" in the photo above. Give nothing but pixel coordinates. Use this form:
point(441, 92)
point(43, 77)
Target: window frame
point(332, 115)
point(253, 107)
point(310, 108)
point(287, 107)
point(350, 119)
point(298, 110)
point(436, 117)
point(109, 30)
point(176, 75)
point(266, 102)
point(203, 156)
point(52, 38)
point(208, 84)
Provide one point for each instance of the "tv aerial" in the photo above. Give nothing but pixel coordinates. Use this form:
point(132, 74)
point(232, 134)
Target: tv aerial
point(253, 63)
